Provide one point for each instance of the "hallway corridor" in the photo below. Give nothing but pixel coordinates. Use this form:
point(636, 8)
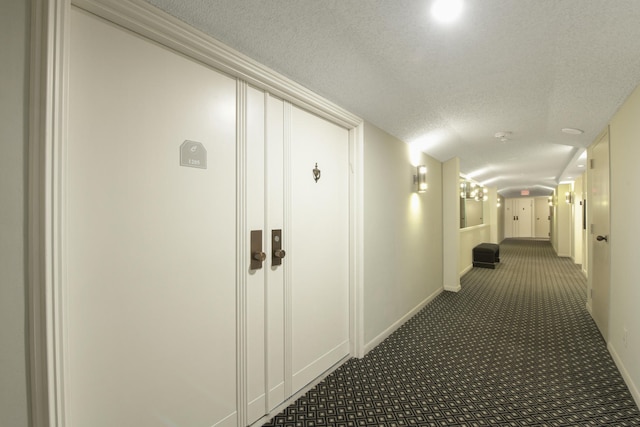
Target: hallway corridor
point(515, 347)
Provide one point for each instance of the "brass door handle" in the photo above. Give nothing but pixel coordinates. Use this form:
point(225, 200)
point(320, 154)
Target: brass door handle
point(259, 256)
point(279, 253)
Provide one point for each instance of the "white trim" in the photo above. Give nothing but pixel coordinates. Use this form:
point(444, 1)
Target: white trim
point(50, 28)
point(47, 129)
point(287, 242)
point(356, 182)
point(633, 388)
point(146, 20)
point(241, 251)
point(466, 270)
point(456, 288)
point(38, 268)
point(299, 393)
point(397, 324)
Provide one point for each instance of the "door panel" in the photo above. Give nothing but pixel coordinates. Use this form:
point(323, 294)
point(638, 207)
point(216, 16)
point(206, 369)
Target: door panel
point(256, 279)
point(600, 227)
point(149, 292)
point(542, 226)
point(319, 246)
point(525, 218)
point(275, 293)
point(509, 218)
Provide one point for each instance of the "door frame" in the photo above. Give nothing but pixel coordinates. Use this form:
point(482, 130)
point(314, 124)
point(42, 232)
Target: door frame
point(50, 26)
point(591, 232)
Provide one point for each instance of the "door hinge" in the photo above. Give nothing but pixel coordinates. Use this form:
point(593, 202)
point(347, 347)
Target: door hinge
point(592, 164)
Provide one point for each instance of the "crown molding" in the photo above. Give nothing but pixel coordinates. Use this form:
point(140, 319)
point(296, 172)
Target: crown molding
point(149, 21)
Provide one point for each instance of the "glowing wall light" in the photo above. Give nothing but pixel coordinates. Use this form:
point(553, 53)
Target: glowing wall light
point(420, 179)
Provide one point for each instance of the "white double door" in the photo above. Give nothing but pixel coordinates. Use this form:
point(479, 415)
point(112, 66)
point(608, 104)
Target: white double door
point(518, 217)
point(161, 319)
point(297, 313)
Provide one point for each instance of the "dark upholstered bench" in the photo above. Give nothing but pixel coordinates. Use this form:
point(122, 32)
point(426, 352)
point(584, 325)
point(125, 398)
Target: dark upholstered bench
point(486, 255)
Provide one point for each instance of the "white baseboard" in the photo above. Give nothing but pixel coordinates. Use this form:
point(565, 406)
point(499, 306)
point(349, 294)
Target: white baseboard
point(633, 388)
point(589, 308)
point(455, 288)
point(466, 270)
point(391, 329)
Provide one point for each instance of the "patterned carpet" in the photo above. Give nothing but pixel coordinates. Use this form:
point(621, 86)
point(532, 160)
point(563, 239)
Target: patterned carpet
point(515, 347)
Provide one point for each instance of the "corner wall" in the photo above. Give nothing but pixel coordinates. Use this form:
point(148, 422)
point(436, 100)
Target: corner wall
point(563, 224)
point(402, 234)
point(14, 74)
point(625, 233)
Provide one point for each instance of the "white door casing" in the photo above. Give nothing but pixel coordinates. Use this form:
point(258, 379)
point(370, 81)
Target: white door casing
point(49, 177)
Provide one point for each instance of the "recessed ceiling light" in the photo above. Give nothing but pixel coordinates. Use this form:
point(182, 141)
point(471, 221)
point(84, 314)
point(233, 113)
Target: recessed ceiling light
point(580, 166)
point(572, 131)
point(446, 10)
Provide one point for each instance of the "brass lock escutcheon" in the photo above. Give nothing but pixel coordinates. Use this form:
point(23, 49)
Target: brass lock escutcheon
point(257, 256)
point(277, 253)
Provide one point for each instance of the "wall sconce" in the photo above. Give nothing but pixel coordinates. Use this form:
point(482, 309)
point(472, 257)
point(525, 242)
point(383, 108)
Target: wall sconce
point(568, 197)
point(420, 179)
point(480, 194)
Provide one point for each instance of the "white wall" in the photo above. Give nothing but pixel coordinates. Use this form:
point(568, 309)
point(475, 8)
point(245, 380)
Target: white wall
point(402, 234)
point(501, 219)
point(578, 233)
point(14, 51)
point(563, 225)
point(491, 214)
point(624, 239)
point(451, 224)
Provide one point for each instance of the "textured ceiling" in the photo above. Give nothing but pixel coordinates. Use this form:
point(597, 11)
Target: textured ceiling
point(529, 67)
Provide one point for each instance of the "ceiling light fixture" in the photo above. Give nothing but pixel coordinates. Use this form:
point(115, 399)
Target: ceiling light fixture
point(573, 131)
point(446, 11)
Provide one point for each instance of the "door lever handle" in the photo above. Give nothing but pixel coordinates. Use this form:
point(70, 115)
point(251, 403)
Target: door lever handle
point(601, 238)
point(259, 256)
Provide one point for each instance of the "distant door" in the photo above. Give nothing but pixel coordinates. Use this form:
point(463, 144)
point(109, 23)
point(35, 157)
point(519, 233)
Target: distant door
point(149, 296)
point(542, 218)
point(519, 218)
point(524, 215)
point(509, 218)
point(600, 270)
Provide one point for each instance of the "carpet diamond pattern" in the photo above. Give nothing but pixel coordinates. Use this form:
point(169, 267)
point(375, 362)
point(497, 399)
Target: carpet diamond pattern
point(515, 347)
